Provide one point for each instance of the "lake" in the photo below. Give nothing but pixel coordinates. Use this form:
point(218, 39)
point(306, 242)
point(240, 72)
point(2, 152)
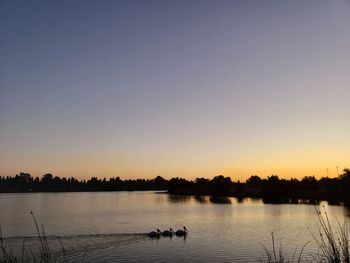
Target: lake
point(113, 226)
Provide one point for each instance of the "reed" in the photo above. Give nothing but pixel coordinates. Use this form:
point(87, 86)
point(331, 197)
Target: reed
point(332, 243)
point(274, 256)
point(44, 256)
point(6, 255)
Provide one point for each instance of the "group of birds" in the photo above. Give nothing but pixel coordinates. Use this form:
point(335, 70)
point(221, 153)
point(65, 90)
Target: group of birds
point(169, 233)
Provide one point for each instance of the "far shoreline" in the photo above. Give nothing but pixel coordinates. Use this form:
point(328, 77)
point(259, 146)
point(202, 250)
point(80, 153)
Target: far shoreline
point(271, 190)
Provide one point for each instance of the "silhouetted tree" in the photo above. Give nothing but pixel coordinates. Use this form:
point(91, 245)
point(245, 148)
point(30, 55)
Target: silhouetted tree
point(272, 190)
point(221, 185)
point(254, 181)
point(345, 186)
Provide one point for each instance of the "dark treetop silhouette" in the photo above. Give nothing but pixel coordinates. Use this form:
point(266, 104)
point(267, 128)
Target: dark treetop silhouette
point(272, 190)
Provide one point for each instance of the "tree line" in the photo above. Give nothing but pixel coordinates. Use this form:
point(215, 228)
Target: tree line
point(272, 189)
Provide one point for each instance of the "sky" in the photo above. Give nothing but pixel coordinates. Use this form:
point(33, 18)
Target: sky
point(137, 89)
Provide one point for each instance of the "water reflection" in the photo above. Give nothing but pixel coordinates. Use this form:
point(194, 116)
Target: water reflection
point(243, 200)
point(346, 211)
point(220, 200)
point(112, 225)
point(179, 198)
point(201, 199)
point(240, 199)
point(307, 201)
point(295, 201)
point(334, 202)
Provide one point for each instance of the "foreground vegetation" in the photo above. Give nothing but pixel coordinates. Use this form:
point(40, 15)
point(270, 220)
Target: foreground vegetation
point(272, 190)
point(333, 245)
point(42, 254)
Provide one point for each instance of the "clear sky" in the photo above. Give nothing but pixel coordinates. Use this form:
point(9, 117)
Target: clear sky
point(175, 88)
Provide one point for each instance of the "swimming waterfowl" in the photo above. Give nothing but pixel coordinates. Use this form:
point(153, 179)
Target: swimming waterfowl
point(168, 233)
point(154, 233)
point(181, 232)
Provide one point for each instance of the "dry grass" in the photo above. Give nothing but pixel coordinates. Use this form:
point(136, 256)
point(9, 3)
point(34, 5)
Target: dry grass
point(333, 245)
point(274, 256)
point(44, 256)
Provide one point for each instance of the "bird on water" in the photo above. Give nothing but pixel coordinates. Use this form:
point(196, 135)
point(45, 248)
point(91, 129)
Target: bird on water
point(182, 232)
point(154, 233)
point(168, 233)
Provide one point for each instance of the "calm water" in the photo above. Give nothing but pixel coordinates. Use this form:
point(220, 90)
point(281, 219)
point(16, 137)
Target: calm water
point(113, 226)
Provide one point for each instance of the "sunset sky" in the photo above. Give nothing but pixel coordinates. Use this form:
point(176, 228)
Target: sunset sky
point(192, 89)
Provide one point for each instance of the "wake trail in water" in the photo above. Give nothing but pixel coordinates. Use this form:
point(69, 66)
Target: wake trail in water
point(78, 236)
point(76, 245)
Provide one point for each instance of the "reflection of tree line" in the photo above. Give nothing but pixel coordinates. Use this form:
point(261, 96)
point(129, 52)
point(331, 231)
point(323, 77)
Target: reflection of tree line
point(200, 199)
point(272, 190)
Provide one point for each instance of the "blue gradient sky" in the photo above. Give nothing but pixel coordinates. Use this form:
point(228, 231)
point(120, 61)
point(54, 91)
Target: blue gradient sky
point(174, 88)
